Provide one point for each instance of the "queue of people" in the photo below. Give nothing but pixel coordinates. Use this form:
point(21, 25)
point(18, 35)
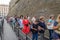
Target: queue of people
point(38, 26)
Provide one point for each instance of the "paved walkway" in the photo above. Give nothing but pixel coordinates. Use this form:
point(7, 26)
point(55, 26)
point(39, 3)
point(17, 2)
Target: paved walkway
point(8, 32)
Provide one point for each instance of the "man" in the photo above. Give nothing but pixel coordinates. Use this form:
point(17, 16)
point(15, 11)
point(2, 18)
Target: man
point(50, 26)
point(20, 21)
point(42, 27)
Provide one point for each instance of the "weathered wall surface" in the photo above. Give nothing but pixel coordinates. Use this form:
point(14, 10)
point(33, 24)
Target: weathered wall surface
point(34, 7)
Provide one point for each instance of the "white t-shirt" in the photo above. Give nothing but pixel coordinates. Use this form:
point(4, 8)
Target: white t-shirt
point(33, 19)
point(20, 23)
point(51, 25)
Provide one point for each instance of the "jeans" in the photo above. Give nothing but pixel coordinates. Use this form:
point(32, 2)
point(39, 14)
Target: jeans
point(35, 36)
point(13, 25)
point(50, 34)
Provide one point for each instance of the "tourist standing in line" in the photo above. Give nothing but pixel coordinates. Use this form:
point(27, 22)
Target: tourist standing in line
point(33, 19)
point(26, 28)
point(41, 27)
point(35, 30)
point(15, 18)
point(12, 22)
point(56, 33)
point(50, 26)
point(20, 21)
point(28, 17)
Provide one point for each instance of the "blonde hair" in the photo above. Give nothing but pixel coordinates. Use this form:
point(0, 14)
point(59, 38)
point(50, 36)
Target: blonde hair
point(42, 17)
point(58, 18)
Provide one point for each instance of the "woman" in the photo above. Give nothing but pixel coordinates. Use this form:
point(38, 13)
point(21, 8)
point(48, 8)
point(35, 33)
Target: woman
point(35, 30)
point(20, 21)
point(33, 19)
point(26, 28)
point(56, 34)
point(42, 27)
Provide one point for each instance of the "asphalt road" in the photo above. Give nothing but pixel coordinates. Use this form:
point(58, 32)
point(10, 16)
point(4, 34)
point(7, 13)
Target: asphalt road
point(9, 34)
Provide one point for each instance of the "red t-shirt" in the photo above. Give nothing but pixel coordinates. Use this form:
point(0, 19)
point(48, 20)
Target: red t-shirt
point(26, 28)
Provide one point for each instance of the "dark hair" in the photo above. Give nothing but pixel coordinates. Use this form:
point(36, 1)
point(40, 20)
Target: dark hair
point(25, 17)
point(21, 16)
point(51, 16)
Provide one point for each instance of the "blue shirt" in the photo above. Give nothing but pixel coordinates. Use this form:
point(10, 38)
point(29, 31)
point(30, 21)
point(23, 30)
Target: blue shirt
point(55, 23)
point(43, 25)
point(20, 23)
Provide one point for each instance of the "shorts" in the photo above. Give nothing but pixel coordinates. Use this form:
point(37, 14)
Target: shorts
point(55, 35)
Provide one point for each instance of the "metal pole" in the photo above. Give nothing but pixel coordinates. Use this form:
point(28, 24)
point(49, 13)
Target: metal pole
point(26, 36)
point(18, 32)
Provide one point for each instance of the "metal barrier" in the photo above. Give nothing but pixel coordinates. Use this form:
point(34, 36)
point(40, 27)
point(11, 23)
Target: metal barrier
point(23, 36)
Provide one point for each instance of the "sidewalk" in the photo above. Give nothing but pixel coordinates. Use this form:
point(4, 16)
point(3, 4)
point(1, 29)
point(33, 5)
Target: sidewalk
point(8, 32)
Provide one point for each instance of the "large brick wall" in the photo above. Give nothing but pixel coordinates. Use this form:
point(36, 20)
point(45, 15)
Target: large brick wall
point(34, 7)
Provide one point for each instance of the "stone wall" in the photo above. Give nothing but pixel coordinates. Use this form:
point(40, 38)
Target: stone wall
point(34, 7)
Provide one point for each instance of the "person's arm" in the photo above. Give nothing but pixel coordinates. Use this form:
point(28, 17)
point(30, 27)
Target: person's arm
point(40, 28)
point(55, 26)
point(49, 22)
point(34, 29)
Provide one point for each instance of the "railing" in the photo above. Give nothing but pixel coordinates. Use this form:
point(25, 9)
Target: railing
point(23, 36)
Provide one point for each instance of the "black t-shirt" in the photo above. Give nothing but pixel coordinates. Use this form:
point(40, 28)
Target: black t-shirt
point(36, 27)
point(43, 25)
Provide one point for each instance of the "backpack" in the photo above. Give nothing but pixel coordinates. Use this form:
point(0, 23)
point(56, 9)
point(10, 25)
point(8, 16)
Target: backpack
point(58, 30)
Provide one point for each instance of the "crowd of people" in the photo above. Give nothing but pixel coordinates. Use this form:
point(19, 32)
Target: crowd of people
point(37, 26)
